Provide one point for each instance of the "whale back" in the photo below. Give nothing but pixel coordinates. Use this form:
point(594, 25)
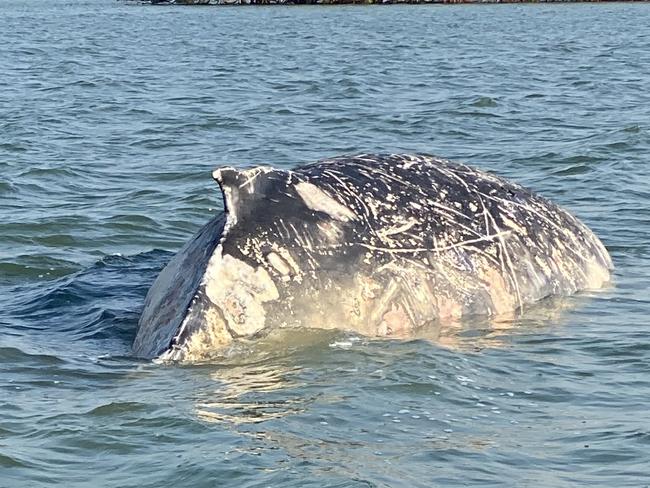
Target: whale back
point(379, 244)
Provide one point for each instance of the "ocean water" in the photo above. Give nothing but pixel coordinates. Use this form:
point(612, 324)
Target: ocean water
point(112, 117)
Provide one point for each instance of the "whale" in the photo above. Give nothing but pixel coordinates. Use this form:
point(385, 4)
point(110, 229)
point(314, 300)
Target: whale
point(381, 245)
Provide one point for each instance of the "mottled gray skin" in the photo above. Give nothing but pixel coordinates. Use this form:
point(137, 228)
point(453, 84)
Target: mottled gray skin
point(377, 244)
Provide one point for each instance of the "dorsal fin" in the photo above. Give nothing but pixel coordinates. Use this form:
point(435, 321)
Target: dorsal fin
point(238, 186)
point(226, 175)
point(229, 180)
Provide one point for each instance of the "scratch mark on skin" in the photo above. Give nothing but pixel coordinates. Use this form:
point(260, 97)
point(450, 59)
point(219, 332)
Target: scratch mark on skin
point(350, 192)
point(541, 217)
point(511, 270)
point(508, 261)
point(498, 235)
point(252, 174)
point(396, 179)
point(451, 210)
point(366, 212)
point(296, 236)
point(397, 230)
point(284, 227)
point(486, 215)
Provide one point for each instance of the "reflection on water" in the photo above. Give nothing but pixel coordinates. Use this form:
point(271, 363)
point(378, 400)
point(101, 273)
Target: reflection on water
point(551, 314)
point(261, 380)
point(252, 392)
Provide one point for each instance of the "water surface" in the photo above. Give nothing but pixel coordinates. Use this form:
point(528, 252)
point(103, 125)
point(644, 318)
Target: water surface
point(112, 117)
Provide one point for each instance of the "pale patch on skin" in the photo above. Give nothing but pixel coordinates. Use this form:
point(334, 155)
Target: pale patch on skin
point(358, 305)
point(217, 173)
point(502, 300)
point(565, 270)
point(281, 261)
point(240, 290)
point(395, 322)
point(331, 231)
point(448, 309)
point(319, 200)
point(288, 259)
point(597, 276)
point(213, 336)
point(279, 264)
point(395, 302)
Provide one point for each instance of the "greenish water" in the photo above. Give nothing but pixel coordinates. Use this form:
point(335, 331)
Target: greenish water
point(112, 117)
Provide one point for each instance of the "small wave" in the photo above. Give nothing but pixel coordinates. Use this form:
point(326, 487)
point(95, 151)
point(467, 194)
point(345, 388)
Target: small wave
point(574, 166)
point(98, 304)
point(479, 114)
point(484, 102)
point(130, 222)
point(633, 129)
point(105, 323)
point(62, 173)
point(618, 145)
point(12, 147)
point(11, 462)
point(15, 356)
point(117, 408)
point(35, 266)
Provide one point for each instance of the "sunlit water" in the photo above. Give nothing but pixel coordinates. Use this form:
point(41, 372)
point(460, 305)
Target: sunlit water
point(112, 117)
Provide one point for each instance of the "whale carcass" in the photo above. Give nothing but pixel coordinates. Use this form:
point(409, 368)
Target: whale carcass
point(377, 244)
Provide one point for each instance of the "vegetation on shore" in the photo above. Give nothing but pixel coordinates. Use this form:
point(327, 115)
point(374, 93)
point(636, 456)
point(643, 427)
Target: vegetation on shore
point(335, 2)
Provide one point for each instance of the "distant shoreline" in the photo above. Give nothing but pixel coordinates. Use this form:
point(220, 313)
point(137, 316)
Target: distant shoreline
point(369, 2)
